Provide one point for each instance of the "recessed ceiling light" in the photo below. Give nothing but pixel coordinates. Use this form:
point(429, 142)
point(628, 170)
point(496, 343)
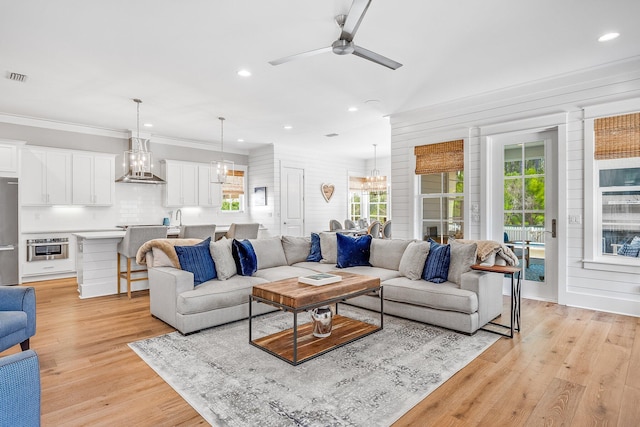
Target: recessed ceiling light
point(352, 109)
point(240, 140)
point(608, 36)
point(288, 127)
point(244, 73)
point(148, 125)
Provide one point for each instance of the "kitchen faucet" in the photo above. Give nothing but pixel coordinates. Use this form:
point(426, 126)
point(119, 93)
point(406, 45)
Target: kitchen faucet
point(179, 212)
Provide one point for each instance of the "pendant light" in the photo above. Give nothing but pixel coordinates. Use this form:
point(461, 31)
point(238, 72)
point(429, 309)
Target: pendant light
point(374, 182)
point(221, 169)
point(138, 160)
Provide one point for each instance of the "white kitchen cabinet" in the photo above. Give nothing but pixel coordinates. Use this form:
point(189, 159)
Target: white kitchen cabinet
point(209, 194)
point(9, 158)
point(93, 179)
point(45, 177)
point(182, 183)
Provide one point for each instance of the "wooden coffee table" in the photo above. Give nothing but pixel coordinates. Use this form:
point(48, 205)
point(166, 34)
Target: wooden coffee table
point(297, 345)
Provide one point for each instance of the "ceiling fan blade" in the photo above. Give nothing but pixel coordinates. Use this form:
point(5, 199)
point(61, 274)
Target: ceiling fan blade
point(351, 24)
point(377, 58)
point(300, 55)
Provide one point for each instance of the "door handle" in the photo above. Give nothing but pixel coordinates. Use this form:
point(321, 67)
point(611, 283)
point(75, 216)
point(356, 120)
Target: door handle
point(7, 248)
point(554, 226)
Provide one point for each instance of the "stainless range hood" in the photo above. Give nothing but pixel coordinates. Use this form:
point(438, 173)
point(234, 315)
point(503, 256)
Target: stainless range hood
point(138, 163)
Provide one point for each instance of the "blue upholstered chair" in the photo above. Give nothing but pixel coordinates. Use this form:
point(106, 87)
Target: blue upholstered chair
point(17, 316)
point(20, 389)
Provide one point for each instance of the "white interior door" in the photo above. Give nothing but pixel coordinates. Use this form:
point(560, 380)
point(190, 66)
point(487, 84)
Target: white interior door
point(292, 201)
point(525, 211)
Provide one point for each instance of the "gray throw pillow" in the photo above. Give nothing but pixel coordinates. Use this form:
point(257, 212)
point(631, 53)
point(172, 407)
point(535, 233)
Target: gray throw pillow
point(329, 247)
point(387, 253)
point(269, 252)
point(223, 258)
point(296, 249)
point(463, 256)
point(413, 259)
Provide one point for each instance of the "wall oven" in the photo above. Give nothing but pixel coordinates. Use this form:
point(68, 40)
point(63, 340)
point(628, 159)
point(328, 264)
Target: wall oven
point(47, 249)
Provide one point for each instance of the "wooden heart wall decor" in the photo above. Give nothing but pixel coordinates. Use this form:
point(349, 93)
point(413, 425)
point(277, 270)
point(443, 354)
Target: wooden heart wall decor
point(327, 191)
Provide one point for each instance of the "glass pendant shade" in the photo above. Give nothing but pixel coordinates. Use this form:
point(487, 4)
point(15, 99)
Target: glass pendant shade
point(138, 160)
point(221, 169)
point(374, 182)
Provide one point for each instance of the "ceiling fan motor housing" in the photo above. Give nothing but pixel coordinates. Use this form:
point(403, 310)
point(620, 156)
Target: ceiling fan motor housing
point(342, 47)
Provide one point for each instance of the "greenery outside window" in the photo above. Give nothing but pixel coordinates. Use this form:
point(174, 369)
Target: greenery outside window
point(371, 205)
point(234, 190)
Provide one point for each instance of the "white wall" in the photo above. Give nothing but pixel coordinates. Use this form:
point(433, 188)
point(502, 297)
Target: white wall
point(557, 102)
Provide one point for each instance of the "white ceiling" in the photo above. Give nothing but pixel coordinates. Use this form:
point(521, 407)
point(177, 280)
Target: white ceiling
point(86, 60)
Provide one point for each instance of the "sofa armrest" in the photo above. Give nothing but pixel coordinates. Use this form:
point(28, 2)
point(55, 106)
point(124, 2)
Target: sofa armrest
point(165, 284)
point(488, 287)
point(20, 298)
point(20, 389)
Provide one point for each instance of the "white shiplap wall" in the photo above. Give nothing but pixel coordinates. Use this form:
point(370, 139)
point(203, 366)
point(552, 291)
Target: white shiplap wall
point(261, 174)
point(558, 101)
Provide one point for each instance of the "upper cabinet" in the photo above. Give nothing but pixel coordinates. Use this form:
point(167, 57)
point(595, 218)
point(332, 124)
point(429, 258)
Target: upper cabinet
point(93, 179)
point(45, 177)
point(182, 183)
point(9, 158)
point(209, 194)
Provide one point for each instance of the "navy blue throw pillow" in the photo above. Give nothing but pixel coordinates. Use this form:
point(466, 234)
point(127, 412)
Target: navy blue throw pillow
point(197, 259)
point(353, 251)
point(315, 254)
point(245, 257)
point(436, 268)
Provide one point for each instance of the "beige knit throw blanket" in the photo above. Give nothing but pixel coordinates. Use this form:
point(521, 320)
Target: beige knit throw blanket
point(487, 247)
point(166, 246)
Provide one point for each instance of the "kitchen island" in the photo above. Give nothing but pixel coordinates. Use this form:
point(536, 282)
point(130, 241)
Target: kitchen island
point(96, 263)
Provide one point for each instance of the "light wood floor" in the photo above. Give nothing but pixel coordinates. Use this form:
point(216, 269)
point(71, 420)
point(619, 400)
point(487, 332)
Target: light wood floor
point(569, 366)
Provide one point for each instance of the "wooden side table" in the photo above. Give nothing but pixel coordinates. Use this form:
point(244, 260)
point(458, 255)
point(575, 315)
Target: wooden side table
point(515, 296)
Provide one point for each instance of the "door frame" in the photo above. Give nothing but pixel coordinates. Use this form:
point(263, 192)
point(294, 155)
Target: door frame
point(284, 199)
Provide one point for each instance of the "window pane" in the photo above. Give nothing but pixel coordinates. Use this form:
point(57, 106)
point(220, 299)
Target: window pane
point(620, 177)
point(512, 193)
point(431, 184)
point(534, 220)
point(620, 220)
point(534, 193)
point(431, 209)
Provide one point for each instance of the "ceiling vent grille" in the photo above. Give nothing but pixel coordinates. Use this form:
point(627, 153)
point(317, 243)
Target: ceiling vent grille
point(331, 135)
point(17, 77)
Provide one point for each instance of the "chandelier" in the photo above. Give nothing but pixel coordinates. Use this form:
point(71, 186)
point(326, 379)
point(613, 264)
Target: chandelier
point(138, 160)
point(374, 182)
point(221, 169)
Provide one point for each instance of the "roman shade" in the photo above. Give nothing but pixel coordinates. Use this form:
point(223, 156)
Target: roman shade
point(441, 157)
point(234, 186)
point(356, 183)
point(617, 137)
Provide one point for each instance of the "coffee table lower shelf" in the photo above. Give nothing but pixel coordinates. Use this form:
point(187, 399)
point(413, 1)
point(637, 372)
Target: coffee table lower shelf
point(344, 331)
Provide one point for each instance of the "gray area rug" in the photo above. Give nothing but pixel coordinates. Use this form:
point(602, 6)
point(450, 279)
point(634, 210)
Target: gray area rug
point(370, 382)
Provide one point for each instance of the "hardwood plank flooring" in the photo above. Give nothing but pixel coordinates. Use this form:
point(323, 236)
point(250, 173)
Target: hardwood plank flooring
point(568, 366)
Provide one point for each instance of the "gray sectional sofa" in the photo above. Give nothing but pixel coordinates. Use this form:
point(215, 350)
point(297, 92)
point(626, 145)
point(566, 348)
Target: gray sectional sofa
point(465, 302)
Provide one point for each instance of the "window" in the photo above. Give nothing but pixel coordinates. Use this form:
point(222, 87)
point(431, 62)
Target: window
point(614, 192)
point(233, 191)
point(371, 205)
point(441, 189)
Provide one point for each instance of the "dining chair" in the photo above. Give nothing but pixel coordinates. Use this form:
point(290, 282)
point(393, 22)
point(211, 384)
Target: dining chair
point(243, 231)
point(374, 229)
point(201, 231)
point(386, 229)
point(334, 224)
point(363, 223)
point(349, 225)
point(128, 247)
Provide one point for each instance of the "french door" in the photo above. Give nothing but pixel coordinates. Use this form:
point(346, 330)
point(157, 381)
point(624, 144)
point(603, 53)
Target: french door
point(524, 207)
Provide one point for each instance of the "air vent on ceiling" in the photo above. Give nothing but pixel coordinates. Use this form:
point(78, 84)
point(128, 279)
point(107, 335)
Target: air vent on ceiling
point(17, 77)
point(331, 135)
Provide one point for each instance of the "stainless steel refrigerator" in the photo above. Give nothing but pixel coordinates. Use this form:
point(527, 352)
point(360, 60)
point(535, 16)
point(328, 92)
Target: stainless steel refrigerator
point(8, 231)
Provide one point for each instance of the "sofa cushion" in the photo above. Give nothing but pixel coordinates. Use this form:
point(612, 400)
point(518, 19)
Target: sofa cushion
point(297, 249)
point(283, 272)
point(328, 248)
point(463, 256)
point(381, 273)
point(222, 255)
point(214, 294)
point(443, 296)
point(197, 259)
point(12, 322)
point(269, 252)
point(245, 257)
point(413, 259)
point(387, 253)
point(353, 251)
point(315, 255)
point(436, 268)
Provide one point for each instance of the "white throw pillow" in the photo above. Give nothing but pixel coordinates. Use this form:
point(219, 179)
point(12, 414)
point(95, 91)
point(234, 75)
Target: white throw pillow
point(413, 259)
point(329, 247)
point(463, 256)
point(269, 252)
point(296, 249)
point(223, 258)
point(387, 253)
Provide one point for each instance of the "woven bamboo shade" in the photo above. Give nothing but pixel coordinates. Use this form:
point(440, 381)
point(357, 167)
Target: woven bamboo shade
point(441, 157)
point(356, 183)
point(234, 185)
point(617, 137)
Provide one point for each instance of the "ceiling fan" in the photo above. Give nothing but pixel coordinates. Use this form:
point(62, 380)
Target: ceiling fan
point(344, 45)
